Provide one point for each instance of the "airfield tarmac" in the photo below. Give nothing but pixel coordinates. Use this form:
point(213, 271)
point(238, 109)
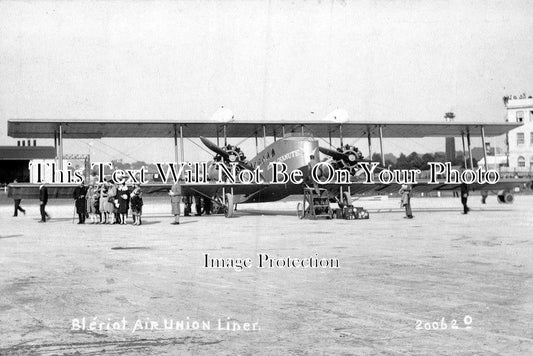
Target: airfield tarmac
point(395, 274)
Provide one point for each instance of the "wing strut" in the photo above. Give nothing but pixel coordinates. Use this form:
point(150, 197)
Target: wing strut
point(256, 145)
point(225, 137)
point(484, 146)
point(369, 145)
point(176, 155)
point(464, 150)
point(469, 148)
point(60, 147)
point(381, 145)
point(182, 153)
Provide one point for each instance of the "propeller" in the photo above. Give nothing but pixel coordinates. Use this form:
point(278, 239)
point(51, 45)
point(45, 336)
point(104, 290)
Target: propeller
point(344, 157)
point(228, 154)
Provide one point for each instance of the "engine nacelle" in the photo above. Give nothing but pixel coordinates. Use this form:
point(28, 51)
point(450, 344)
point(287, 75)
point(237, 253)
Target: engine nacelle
point(352, 156)
point(234, 155)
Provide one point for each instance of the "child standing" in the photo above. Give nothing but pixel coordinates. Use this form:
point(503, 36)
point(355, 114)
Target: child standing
point(136, 205)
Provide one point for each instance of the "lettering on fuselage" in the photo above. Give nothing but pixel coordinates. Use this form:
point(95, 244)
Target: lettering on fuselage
point(287, 156)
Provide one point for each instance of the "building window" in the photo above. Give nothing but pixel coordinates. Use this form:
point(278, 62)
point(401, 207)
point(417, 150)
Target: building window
point(531, 138)
point(519, 116)
point(531, 115)
point(520, 138)
point(531, 162)
point(521, 161)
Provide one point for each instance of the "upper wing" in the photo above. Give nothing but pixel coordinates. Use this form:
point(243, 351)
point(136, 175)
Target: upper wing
point(22, 128)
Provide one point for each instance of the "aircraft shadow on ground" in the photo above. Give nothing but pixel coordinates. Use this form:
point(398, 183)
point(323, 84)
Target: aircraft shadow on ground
point(10, 236)
point(266, 212)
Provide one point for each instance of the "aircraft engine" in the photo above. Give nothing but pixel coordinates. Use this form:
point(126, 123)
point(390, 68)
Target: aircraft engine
point(348, 158)
point(232, 154)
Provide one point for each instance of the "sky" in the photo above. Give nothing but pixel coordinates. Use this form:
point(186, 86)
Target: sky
point(265, 60)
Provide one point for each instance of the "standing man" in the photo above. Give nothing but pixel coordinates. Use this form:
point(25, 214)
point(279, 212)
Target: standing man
point(187, 201)
point(484, 195)
point(310, 165)
point(464, 197)
point(79, 195)
point(175, 197)
point(405, 192)
point(208, 204)
point(198, 205)
point(43, 197)
point(17, 199)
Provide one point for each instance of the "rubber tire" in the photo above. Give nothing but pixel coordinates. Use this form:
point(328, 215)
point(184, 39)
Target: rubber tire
point(508, 198)
point(299, 211)
point(230, 205)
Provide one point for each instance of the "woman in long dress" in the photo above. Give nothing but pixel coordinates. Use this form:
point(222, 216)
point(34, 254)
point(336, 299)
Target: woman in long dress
point(89, 201)
point(123, 196)
point(103, 202)
point(110, 203)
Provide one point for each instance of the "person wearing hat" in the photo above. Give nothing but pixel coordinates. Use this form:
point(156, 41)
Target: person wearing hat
point(103, 202)
point(464, 197)
point(110, 208)
point(43, 198)
point(17, 199)
point(175, 197)
point(80, 192)
point(94, 200)
point(123, 196)
point(405, 192)
point(136, 202)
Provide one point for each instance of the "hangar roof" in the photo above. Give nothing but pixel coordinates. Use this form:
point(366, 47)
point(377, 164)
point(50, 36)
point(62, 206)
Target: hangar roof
point(45, 128)
point(15, 153)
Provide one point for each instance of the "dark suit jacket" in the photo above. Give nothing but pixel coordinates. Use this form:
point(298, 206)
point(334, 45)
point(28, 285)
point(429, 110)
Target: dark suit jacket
point(43, 195)
point(464, 190)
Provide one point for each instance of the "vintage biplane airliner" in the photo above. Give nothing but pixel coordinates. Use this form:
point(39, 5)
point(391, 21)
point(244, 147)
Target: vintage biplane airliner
point(295, 143)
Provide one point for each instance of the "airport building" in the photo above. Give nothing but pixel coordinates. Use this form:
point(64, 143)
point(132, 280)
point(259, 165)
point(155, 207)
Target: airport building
point(520, 140)
point(14, 160)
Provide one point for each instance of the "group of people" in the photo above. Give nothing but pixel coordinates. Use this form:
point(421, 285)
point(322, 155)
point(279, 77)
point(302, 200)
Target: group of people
point(108, 203)
point(405, 201)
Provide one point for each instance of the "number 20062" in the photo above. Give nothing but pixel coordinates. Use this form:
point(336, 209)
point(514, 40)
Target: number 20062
point(443, 325)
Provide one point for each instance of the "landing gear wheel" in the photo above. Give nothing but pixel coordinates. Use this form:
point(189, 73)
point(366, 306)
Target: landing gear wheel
point(505, 198)
point(300, 211)
point(508, 198)
point(230, 205)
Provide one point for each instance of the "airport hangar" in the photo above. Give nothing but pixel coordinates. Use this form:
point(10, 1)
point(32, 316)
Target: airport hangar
point(14, 160)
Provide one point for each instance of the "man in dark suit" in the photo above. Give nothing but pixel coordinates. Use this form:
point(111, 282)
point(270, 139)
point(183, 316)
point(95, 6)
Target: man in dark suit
point(17, 199)
point(464, 197)
point(79, 196)
point(43, 197)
